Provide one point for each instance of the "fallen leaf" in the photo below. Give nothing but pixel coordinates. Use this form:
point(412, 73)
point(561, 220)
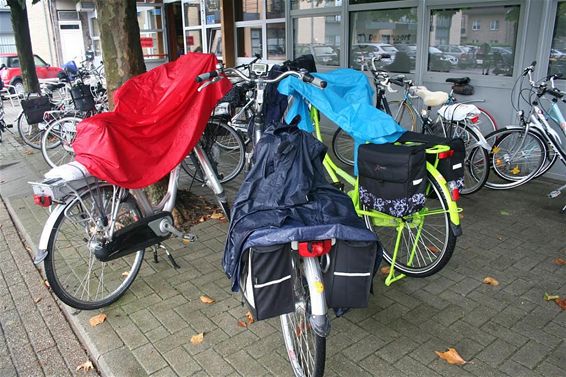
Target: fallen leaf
point(451, 357)
point(548, 297)
point(206, 299)
point(37, 300)
point(433, 249)
point(97, 319)
point(46, 284)
point(559, 261)
point(250, 318)
point(242, 324)
point(504, 213)
point(561, 303)
point(385, 270)
point(197, 339)
point(86, 366)
point(515, 170)
point(500, 238)
point(125, 274)
point(28, 152)
point(201, 220)
point(216, 216)
point(495, 149)
point(491, 281)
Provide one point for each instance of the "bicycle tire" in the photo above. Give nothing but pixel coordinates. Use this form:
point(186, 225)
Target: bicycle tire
point(57, 139)
point(513, 152)
point(295, 325)
point(486, 122)
point(404, 115)
point(121, 271)
point(476, 161)
point(225, 149)
point(30, 133)
point(343, 147)
point(429, 257)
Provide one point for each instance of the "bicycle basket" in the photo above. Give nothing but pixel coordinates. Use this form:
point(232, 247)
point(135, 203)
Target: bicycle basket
point(235, 97)
point(34, 108)
point(82, 97)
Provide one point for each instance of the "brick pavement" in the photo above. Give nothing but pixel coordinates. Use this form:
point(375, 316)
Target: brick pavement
point(507, 330)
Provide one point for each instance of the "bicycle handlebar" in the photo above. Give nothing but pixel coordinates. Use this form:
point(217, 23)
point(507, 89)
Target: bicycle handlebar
point(205, 76)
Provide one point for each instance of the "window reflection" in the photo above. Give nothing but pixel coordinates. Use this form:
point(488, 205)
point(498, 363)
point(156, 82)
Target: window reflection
point(248, 10)
point(249, 41)
point(310, 4)
point(192, 13)
point(557, 59)
point(276, 41)
point(478, 40)
point(319, 36)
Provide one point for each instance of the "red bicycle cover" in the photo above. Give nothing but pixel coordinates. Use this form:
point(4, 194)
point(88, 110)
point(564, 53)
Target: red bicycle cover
point(159, 117)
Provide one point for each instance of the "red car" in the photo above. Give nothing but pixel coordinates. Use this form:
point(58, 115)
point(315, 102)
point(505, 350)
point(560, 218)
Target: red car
point(11, 73)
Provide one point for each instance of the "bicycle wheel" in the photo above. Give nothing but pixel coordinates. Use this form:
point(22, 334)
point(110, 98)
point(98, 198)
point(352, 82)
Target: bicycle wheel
point(306, 349)
point(225, 150)
point(343, 147)
point(30, 133)
point(76, 276)
point(516, 157)
point(424, 254)
point(57, 140)
point(404, 115)
point(476, 161)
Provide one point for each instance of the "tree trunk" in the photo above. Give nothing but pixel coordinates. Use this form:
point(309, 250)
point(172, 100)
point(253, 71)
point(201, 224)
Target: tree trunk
point(120, 41)
point(20, 25)
point(122, 56)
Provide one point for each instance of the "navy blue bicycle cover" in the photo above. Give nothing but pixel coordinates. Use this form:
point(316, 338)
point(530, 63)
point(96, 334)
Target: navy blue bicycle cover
point(347, 101)
point(285, 197)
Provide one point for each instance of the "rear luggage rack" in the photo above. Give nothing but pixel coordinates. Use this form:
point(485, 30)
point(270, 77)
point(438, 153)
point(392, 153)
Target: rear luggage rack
point(58, 189)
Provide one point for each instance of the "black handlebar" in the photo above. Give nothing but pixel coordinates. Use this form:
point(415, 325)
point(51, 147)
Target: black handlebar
point(206, 76)
point(308, 78)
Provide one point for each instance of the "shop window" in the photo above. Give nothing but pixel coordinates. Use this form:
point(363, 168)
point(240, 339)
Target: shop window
point(319, 36)
point(212, 10)
point(152, 35)
point(276, 41)
point(192, 13)
point(482, 51)
point(557, 59)
point(311, 4)
point(389, 35)
point(249, 41)
point(193, 40)
point(248, 10)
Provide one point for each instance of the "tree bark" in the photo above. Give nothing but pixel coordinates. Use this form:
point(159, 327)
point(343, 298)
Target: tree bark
point(120, 41)
point(20, 25)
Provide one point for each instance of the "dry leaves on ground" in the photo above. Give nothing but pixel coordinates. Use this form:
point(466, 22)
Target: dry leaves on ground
point(490, 281)
point(206, 299)
point(433, 249)
point(548, 297)
point(217, 216)
point(46, 283)
point(559, 261)
point(242, 324)
point(37, 300)
point(385, 270)
point(451, 357)
point(97, 319)
point(125, 274)
point(86, 366)
point(561, 302)
point(248, 320)
point(197, 339)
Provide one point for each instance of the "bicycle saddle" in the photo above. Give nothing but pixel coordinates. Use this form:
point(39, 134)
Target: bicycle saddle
point(53, 87)
point(459, 80)
point(430, 98)
point(458, 111)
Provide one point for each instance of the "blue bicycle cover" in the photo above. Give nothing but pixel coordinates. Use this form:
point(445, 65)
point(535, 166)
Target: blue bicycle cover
point(347, 101)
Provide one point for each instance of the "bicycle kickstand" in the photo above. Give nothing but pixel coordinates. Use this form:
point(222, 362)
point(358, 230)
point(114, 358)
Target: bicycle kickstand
point(169, 255)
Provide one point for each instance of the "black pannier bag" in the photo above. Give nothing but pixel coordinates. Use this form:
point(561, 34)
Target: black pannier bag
point(34, 108)
point(349, 277)
point(451, 164)
point(392, 177)
point(82, 97)
point(463, 89)
point(266, 280)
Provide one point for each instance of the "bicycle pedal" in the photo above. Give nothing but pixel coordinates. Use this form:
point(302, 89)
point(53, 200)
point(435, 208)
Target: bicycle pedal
point(554, 194)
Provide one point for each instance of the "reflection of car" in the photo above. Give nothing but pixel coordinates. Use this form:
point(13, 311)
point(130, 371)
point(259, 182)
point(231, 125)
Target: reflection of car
point(461, 53)
point(11, 73)
point(502, 50)
point(323, 54)
point(371, 50)
point(557, 54)
point(437, 54)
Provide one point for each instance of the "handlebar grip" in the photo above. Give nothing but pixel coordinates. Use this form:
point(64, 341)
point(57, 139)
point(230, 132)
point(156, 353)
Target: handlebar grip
point(397, 82)
point(206, 76)
point(534, 63)
point(307, 77)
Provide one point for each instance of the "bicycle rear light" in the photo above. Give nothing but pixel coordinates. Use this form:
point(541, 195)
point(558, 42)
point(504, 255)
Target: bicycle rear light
point(455, 194)
point(474, 119)
point(314, 248)
point(42, 200)
point(447, 154)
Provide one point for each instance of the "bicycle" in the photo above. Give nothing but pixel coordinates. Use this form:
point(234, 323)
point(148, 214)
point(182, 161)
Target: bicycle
point(522, 153)
point(407, 245)
point(93, 243)
point(3, 125)
point(306, 327)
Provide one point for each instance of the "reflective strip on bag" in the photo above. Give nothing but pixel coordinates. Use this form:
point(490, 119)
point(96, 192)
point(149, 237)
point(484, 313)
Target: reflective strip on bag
point(272, 282)
point(352, 274)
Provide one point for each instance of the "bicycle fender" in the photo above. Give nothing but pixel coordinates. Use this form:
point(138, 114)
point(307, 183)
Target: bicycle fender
point(46, 233)
point(452, 206)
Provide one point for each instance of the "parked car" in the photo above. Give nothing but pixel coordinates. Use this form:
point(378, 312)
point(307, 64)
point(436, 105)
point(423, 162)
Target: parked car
point(11, 73)
point(323, 54)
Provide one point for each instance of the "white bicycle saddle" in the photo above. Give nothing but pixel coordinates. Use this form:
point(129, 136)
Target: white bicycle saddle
point(457, 111)
point(69, 172)
point(430, 98)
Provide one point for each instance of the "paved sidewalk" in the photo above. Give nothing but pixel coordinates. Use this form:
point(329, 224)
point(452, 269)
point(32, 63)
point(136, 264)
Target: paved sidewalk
point(35, 337)
point(508, 330)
